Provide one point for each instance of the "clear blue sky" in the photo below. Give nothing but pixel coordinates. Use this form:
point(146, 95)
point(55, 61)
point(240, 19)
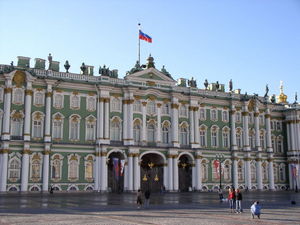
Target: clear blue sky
point(252, 42)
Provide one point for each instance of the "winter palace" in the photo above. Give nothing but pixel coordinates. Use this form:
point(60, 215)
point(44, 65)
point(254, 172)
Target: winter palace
point(87, 132)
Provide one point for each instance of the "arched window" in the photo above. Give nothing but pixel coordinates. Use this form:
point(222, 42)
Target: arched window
point(137, 132)
point(251, 139)
point(115, 104)
point(166, 109)
point(56, 167)
point(75, 102)
point(225, 116)
point(183, 135)
point(202, 136)
point(274, 144)
point(214, 136)
point(240, 171)
point(74, 128)
point(73, 166)
point(239, 139)
point(57, 126)
point(214, 115)
point(90, 124)
point(38, 99)
point(279, 145)
point(151, 109)
point(89, 167)
point(115, 130)
point(37, 125)
point(225, 136)
point(36, 167)
point(238, 117)
point(264, 172)
point(262, 139)
point(261, 119)
point(227, 171)
point(18, 96)
point(275, 171)
point(150, 132)
point(137, 106)
point(14, 169)
point(165, 133)
point(282, 172)
point(251, 117)
point(204, 168)
point(17, 124)
point(58, 101)
point(183, 111)
point(91, 104)
point(202, 114)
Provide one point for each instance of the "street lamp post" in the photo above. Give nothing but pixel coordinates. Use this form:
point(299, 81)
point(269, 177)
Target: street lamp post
point(220, 158)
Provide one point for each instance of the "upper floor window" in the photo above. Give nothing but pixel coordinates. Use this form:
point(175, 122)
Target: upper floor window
point(262, 139)
point(115, 130)
point(58, 101)
point(151, 109)
point(74, 128)
point(203, 136)
point(251, 118)
point(183, 135)
point(17, 124)
point(91, 103)
point(115, 104)
point(75, 102)
point(137, 131)
point(279, 126)
point(166, 109)
point(57, 126)
point(151, 132)
point(261, 119)
point(90, 127)
point(238, 117)
point(202, 114)
point(214, 115)
point(137, 106)
point(214, 136)
point(165, 133)
point(225, 116)
point(38, 98)
point(18, 96)
point(37, 125)
point(225, 135)
point(183, 111)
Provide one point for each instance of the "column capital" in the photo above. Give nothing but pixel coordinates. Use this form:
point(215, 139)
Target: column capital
point(256, 114)
point(267, 116)
point(46, 152)
point(158, 105)
point(49, 94)
point(128, 101)
point(26, 151)
point(174, 106)
point(270, 160)
point(28, 92)
point(144, 103)
point(198, 157)
point(247, 159)
point(103, 154)
point(258, 159)
point(7, 90)
point(232, 111)
point(245, 113)
point(4, 151)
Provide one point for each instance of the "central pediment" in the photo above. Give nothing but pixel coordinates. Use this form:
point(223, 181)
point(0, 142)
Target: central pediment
point(151, 75)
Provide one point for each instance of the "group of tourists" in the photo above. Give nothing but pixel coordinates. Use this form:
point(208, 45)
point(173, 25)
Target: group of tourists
point(235, 202)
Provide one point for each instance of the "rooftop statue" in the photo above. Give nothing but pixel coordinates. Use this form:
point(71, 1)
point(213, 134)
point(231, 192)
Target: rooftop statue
point(217, 85)
point(245, 97)
point(135, 69)
point(296, 98)
point(273, 99)
point(192, 83)
point(150, 63)
point(230, 85)
point(12, 63)
point(104, 71)
point(267, 91)
point(164, 71)
point(205, 84)
point(83, 68)
point(50, 61)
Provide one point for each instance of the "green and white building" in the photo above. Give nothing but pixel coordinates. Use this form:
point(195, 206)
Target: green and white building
point(86, 132)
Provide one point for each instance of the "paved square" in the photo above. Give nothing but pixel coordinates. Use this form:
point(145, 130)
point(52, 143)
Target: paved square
point(168, 208)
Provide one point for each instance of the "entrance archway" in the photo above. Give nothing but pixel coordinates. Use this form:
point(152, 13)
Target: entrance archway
point(152, 167)
point(185, 173)
point(115, 169)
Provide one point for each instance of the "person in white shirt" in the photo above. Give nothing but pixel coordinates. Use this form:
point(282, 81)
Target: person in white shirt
point(255, 210)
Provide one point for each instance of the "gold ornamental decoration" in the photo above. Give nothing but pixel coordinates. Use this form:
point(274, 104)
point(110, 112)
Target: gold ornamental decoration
point(156, 178)
point(145, 178)
point(19, 78)
point(7, 90)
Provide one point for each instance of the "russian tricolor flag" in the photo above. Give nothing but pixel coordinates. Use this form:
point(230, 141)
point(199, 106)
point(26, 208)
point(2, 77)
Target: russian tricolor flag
point(145, 37)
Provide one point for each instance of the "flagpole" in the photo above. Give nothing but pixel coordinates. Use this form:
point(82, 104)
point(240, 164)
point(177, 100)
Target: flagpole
point(139, 48)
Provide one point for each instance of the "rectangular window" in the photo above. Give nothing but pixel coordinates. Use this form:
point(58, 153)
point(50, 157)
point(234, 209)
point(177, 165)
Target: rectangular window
point(202, 114)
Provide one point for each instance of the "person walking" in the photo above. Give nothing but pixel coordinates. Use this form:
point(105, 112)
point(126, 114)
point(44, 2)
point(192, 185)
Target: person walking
point(255, 209)
point(147, 198)
point(231, 199)
point(238, 201)
point(139, 201)
point(220, 192)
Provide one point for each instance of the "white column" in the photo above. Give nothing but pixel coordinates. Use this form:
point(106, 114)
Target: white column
point(256, 125)
point(144, 131)
point(25, 169)
point(27, 121)
point(130, 122)
point(245, 115)
point(247, 173)
point(288, 135)
point(126, 176)
point(259, 173)
point(170, 173)
point(46, 168)
point(194, 177)
point(97, 170)
point(3, 171)
point(103, 172)
point(130, 172)
point(271, 173)
point(235, 179)
point(291, 178)
point(136, 172)
point(165, 183)
point(175, 173)
point(125, 121)
point(47, 136)
point(106, 122)
point(191, 112)
point(198, 174)
point(6, 116)
point(158, 132)
point(268, 128)
point(232, 130)
point(196, 126)
point(174, 119)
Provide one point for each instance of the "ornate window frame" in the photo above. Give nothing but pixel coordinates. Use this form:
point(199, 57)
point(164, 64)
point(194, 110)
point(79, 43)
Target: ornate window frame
point(91, 103)
point(15, 128)
point(58, 104)
point(18, 167)
point(115, 104)
point(75, 101)
point(183, 111)
point(73, 160)
point(56, 158)
point(214, 114)
point(38, 98)
point(18, 96)
point(89, 160)
point(214, 134)
point(36, 157)
point(58, 117)
point(90, 121)
point(74, 127)
point(37, 116)
point(203, 135)
point(116, 131)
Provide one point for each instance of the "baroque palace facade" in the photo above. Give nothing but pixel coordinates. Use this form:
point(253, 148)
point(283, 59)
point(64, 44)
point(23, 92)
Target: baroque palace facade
point(85, 132)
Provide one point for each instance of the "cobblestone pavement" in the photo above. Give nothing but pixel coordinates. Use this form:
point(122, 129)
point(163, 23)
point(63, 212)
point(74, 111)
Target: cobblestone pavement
point(168, 208)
